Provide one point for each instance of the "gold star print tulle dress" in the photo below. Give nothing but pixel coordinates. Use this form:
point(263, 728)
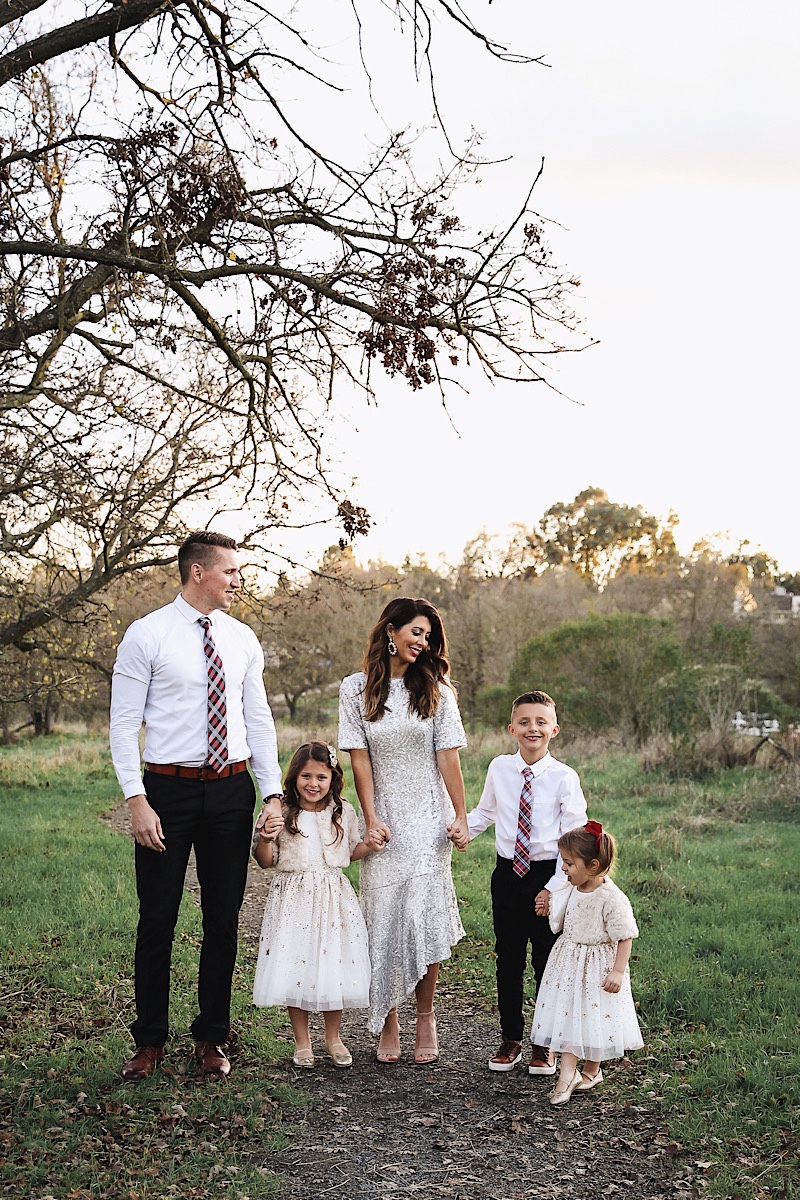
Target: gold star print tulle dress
point(313, 949)
point(573, 1013)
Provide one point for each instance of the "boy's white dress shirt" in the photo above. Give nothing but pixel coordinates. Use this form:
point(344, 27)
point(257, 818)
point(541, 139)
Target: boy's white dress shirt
point(161, 678)
point(557, 806)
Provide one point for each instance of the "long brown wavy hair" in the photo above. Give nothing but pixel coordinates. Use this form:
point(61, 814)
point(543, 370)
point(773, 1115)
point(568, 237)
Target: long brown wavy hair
point(423, 677)
point(320, 753)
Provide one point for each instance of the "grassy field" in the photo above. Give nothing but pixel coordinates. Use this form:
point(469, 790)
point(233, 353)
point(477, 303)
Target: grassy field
point(712, 870)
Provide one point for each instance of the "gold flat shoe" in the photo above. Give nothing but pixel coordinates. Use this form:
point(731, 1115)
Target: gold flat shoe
point(303, 1058)
point(339, 1054)
point(562, 1097)
point(589, 1081)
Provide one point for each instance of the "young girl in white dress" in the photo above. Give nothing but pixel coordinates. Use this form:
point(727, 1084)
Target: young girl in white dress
point(584, 1006)
point(313, 955)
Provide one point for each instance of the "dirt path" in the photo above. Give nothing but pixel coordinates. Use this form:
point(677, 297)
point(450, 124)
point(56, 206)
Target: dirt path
point(456, 1129)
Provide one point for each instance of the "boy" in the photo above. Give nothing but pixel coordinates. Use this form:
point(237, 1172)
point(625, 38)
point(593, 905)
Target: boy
point(532, 799)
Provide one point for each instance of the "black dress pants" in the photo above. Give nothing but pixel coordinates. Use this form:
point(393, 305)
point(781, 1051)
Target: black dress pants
point(515, 926)
point(217, 819)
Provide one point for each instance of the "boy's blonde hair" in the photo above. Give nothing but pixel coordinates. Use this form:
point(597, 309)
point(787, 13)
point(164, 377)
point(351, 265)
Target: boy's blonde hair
point(533, 698)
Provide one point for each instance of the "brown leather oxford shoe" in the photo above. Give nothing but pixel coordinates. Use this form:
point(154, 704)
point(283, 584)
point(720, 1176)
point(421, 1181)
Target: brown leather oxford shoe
point(212, 1060)
point(143, 1063)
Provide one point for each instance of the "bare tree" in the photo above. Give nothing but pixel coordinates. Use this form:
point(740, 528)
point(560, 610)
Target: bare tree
point(186, 277)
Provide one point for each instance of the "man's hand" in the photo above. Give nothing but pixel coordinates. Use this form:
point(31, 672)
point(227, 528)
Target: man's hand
point(542, 903)
point(145, 823)
point(270, 819)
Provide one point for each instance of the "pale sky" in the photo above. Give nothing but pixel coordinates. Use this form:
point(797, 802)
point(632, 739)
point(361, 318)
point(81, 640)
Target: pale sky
point(671, 136)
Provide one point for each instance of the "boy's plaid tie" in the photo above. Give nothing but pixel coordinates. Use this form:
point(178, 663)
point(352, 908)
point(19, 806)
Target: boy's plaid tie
point(522, 848)
point(217, 708)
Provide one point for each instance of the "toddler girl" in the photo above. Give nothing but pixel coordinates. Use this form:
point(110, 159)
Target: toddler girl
point(584, 1006)
point(313, 954)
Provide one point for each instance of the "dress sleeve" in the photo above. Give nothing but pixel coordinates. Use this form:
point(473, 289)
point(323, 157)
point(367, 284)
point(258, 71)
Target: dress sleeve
point(448, 731)
point(558, 907)
point(352, 734)
point(618, 918)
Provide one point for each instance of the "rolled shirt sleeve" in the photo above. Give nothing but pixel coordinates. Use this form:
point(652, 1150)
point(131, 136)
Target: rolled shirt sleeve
point(573, 816)
point(262, 739)
point(485, 812)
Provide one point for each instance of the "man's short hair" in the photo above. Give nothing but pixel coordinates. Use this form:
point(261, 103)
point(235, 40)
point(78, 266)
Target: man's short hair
point(533, 698)
point(201, 547)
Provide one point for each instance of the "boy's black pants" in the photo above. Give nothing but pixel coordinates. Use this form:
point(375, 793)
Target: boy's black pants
point(515, 926)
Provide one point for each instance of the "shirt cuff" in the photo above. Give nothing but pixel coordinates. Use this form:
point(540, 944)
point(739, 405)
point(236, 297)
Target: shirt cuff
point(132, 786)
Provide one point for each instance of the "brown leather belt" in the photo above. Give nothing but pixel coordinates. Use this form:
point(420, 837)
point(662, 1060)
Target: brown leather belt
point(206, 774)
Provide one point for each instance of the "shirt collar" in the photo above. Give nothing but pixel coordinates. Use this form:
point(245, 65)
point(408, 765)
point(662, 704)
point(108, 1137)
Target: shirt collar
point(191, 614)
point(537, 767)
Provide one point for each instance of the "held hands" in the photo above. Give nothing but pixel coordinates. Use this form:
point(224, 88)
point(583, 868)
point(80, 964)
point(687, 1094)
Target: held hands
point(377, 836)
point(458, 833)
point(145, 823)
point(542, 903)
point(613, 981)
point(270, 820)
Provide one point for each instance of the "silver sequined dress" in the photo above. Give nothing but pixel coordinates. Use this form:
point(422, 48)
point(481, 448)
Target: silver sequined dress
point(406, 890)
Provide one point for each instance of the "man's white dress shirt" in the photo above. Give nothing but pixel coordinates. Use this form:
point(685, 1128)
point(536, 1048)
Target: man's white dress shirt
point(161, 678)
point(557, 805)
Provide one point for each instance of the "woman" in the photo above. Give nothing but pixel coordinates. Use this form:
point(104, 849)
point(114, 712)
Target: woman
point(400, 722)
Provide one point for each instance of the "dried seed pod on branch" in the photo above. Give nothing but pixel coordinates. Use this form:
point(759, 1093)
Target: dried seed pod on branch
point(188, 278)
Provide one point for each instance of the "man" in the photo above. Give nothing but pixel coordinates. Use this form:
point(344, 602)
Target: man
point(193, 674)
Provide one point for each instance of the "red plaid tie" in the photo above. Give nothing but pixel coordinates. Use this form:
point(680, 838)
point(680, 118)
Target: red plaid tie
point(522, 848)
point(217, 708)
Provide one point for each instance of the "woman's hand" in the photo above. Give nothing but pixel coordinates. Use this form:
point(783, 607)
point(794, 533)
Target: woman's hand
point(378, 835)
point(375, 838)
point(458, 833)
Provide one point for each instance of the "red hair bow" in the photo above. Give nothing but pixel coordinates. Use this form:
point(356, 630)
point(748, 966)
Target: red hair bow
point(596, 830)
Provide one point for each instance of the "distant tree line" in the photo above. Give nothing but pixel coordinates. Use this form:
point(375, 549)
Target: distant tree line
point(593, 602)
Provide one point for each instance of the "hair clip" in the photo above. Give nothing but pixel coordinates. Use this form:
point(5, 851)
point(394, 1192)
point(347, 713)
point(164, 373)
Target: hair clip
point(332, 756)
point(596, 830)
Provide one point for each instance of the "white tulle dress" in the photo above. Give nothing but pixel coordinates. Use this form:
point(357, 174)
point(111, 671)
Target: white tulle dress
point(573, 1013)
point(406, 890)
point(313, 952)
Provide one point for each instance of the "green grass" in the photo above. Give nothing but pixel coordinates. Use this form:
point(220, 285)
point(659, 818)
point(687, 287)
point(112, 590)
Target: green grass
point(711, 869)
point(69, 1127)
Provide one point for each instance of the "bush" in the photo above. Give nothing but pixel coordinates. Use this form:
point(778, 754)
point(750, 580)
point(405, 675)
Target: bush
point(604, 671)
point(493, 706)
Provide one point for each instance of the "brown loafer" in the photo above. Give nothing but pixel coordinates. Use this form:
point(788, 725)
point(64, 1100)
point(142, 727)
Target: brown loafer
point(506, 1056)
point(143, 1063)
point(212, 1060)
